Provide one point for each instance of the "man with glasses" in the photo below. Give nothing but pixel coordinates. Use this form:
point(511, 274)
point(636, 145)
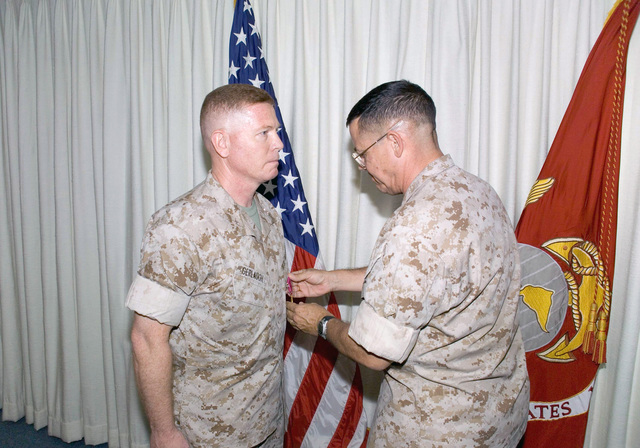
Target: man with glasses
point(439, 295)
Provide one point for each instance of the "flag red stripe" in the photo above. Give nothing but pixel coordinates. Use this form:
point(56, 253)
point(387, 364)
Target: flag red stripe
point(333, 306)
point(351, 414)
point(364, 441)
point(302, 260)
point(310, 392)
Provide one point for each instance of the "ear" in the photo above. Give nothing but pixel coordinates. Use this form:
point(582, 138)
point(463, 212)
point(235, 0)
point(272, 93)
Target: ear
point(220, 143)
point(397, 143)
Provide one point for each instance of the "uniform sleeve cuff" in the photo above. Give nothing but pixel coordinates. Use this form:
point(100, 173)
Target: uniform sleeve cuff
point(381, 336)
point(152, 300)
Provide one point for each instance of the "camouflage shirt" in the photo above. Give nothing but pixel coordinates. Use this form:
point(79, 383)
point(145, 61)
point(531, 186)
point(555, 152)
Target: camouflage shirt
point(440, 299)
point(209, 271)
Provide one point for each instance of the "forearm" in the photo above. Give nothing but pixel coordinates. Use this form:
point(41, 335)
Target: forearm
point(154, 376)
point(348, 279)
point(338, 335)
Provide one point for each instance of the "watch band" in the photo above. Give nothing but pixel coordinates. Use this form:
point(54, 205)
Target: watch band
point(322, 326)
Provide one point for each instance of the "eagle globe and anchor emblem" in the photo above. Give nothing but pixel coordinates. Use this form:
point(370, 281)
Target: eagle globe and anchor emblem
point(548, 291)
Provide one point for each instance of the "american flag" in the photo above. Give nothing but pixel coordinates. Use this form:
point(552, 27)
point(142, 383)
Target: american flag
point(323, 389)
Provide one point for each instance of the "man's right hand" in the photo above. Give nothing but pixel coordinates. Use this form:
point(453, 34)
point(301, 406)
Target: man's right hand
point(170, 439)
point(310, 283)
point(315, 282)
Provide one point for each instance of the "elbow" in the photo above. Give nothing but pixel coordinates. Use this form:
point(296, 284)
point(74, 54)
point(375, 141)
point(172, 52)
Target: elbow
point(375, 363)
point(146, 334)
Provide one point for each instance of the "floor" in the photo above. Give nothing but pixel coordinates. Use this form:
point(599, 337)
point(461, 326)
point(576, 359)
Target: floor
point(22, 435)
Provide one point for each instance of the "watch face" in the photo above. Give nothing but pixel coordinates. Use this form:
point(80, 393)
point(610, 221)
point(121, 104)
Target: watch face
point(321, 326)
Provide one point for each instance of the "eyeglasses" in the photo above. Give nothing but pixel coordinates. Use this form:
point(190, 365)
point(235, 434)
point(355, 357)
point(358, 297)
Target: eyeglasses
point(359, 156)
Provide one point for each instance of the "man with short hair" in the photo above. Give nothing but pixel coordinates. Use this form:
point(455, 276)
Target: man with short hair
point(440, 293)
point(209, 296)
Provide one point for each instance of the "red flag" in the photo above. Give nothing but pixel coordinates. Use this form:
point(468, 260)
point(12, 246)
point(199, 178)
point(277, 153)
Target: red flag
point(570, 219)
point(323, 389)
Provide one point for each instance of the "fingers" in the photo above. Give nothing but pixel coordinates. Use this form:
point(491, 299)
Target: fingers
point(291, 315)
point(296, 291)
point(291, 306)
point(297, 276)
point(308, 283)
point(305, 316)
point(293, 282)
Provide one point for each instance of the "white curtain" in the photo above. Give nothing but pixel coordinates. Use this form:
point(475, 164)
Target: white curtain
point(99, 104)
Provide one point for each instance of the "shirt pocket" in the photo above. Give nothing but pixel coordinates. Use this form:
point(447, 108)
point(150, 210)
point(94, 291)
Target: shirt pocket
point(250, 286)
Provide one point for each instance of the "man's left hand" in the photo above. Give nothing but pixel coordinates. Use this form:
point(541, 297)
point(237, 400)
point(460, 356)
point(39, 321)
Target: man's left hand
point(305, 316)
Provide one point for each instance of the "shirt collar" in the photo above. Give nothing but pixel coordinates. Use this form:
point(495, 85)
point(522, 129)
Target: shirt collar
point(436, 167)
point(231, 208)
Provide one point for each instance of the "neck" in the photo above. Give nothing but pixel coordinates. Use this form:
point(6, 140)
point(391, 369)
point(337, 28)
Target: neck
point(417, 165)
point(422, 148)
point(240, 192)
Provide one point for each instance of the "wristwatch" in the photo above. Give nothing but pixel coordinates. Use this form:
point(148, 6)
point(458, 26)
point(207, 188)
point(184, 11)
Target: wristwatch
point(322, 326)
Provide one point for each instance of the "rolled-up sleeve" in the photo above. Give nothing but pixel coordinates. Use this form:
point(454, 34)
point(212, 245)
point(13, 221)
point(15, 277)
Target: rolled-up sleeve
point(152, 300)
point(381, 336)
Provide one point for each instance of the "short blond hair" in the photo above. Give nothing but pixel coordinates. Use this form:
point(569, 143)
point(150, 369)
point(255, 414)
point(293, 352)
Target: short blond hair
point(227, 99)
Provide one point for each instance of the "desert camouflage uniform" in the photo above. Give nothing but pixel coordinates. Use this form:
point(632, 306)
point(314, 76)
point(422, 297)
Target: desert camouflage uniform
point(440, 299)
point(208, 270)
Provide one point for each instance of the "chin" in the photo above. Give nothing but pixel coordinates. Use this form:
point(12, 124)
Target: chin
point(379, 185)
point(271, 175)
point(383, 188)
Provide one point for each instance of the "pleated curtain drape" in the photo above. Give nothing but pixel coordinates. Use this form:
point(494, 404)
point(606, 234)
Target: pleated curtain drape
point(99, 108)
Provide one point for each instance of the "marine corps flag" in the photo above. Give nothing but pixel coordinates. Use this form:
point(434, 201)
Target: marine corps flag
point(568, 234)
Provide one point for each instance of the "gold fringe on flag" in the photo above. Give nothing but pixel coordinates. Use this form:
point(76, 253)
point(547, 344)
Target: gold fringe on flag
point(600, 351)
point(588, 343)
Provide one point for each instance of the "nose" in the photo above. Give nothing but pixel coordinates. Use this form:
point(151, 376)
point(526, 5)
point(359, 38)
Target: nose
point(278, 144)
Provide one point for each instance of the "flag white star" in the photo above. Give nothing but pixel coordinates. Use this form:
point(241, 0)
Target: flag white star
point(306, 227)
point(269, 187)
point(262, 56)
point(283, 155)
point(280, 210)
point(254, 29)
point(249, 60)
point(233, 71)
point(288, 180)
point(256, 82)
point(247, 6)
point(241, 37)
point(298, 204)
